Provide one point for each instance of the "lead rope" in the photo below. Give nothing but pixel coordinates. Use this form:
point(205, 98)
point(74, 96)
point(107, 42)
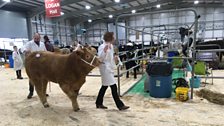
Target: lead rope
point(90, 62)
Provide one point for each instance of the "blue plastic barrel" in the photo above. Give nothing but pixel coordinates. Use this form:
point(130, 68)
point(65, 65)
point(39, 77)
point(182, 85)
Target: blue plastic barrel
point(171, 54)
point(11, 61)
point(160, 86)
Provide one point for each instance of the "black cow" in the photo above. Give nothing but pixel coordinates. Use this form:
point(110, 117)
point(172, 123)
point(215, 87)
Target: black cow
point(130, 54)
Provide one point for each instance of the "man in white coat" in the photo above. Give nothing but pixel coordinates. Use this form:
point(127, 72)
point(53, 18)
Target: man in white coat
point(106, 54)
point(32, 46)
point(18, 62)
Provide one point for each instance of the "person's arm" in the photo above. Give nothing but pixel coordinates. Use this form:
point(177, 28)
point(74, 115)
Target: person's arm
point(14, 56)
point(102, 52)
point(44, 47)
point(27, 49)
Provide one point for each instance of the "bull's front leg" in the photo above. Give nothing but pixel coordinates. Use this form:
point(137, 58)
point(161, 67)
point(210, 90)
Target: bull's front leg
point(75, 104)
point(72, 94)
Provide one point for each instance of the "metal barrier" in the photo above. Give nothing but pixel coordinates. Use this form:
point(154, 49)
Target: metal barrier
point(208, 45)
point(195, 24)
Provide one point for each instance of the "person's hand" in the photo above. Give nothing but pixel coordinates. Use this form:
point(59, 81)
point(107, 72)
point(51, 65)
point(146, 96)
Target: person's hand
point(27, 53)
point(106, 48)
point(116, 59)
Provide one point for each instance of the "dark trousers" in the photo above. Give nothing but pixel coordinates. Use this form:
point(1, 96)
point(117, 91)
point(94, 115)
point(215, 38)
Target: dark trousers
point(31, 88)
point(18, 73)
point(99, 100)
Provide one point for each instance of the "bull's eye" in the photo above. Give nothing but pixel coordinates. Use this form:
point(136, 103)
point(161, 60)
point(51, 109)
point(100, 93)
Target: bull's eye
point(87, 57)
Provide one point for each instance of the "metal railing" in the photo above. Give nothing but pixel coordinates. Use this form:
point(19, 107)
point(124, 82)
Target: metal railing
point(195, 24)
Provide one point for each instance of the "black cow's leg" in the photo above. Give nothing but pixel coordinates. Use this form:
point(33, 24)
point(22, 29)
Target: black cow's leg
point(127, 67)
point(135, 73)
point(127, 74)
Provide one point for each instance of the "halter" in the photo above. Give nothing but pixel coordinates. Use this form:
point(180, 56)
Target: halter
point(91, 63)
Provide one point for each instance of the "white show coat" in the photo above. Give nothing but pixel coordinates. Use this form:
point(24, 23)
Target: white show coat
point(32, 47)
point(108, 65)
point(18, 62)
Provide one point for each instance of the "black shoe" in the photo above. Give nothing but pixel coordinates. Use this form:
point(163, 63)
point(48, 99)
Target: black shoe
point(123, 108)
point(47, 95)
point(101, 106)
point(30, 96)
point(20, 78)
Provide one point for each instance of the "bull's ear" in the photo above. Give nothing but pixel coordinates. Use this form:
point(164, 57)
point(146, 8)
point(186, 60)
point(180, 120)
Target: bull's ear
point(89, 48)
point(79, 52)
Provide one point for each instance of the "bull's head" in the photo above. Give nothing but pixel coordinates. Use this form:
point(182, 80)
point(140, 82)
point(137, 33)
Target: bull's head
point(88, 56)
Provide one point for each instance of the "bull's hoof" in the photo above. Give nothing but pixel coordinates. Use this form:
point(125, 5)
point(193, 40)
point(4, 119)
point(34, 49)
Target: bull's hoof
point(46, 105)
point(77, 109)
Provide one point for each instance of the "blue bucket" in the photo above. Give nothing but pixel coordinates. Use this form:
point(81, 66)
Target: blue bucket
point(197, 82)
point(11, 62)
point(171, 54)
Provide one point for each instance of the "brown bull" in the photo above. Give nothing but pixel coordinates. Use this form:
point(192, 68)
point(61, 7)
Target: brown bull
point(69, 71)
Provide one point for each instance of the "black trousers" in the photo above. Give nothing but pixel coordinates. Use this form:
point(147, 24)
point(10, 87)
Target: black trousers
point(31, 88)
point(18, 73)
point(99, 100)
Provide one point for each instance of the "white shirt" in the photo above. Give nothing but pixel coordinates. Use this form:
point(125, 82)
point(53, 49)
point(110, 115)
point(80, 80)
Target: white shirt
point(108, 65)
point(32, 47)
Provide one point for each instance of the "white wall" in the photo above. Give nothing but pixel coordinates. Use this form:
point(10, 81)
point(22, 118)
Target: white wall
point(60, 31)
point(12, 25)
point(211, 23)
point(94, 33)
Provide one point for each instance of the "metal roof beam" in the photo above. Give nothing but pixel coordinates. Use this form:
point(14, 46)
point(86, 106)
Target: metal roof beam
point(25, 3)
point(152, 4)
point(95, 8)
point(3, 4)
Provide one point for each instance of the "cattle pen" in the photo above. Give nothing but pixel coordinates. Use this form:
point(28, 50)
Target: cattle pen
point(196, 17)
point(112, 62)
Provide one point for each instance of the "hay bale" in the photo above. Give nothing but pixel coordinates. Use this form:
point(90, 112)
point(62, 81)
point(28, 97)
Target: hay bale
point(211, 96)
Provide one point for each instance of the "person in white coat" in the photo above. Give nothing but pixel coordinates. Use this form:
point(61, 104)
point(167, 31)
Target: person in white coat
point(32, 46)
point(18, 62)
point(106, 54)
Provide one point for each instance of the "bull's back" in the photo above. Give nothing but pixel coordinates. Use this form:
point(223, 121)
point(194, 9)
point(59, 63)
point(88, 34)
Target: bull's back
point(43, 63)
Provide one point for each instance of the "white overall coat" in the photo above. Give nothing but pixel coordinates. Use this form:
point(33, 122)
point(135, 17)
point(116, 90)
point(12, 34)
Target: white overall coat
point(18, 62)
point(32, 46)
point(108, 65)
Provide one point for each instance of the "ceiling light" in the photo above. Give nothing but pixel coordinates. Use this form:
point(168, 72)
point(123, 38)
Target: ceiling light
point(7, 1)
point(158, 6)
point(133, 11)
point(117, 1)
point(88, 7)
point(89, 20)
point(110, 16)
point(62, 13)
point(196, 2)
